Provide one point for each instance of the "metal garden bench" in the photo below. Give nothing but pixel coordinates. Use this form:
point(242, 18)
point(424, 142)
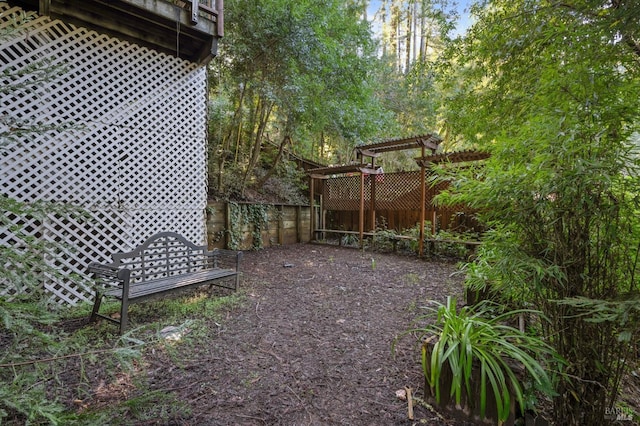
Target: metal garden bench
point(165, 263)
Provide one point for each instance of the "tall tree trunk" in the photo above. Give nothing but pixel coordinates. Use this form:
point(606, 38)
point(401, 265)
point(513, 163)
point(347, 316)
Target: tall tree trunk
point(415, 31)
point(423, 45)
point(322, 144)
point(395, 34)
point(383, 23)
point(407, 53)
point(226, 142)
point(286, 140)
point(263, 112)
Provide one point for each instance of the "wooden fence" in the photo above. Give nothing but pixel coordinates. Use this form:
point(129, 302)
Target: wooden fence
point(395, 199)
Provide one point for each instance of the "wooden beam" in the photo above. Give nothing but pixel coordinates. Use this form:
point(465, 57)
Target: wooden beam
point(349, 168)
point(281, 225)
point(367, 153)
point(44, 8)
point(220, 20)
point(368, 171)
point(429, 140)
point(312, 217)
point(323, 213)
point(452, 157)
point(361, 218)
point(194, 12)
point(158, 24)
point(372, 201)
point(428, 143)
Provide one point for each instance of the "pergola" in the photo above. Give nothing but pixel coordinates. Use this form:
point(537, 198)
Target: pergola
point(366, 166)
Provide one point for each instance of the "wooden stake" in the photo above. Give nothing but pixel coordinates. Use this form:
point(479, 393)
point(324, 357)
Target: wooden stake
point(409, 403)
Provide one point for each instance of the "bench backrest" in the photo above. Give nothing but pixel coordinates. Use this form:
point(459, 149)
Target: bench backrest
point(167, 254)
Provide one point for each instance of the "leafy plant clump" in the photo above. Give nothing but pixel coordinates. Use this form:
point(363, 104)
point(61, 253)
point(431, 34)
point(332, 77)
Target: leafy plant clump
point(248, 218)
point(467, 340)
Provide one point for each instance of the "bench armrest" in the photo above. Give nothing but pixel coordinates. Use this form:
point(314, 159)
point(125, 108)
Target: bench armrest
point(109, 275)
point(223, 258)
point(100, 269)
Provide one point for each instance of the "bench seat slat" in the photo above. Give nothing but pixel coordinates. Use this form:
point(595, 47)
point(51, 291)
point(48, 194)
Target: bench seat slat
point(168, 284)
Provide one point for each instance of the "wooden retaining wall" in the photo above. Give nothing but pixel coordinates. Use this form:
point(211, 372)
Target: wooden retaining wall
point(246, 226)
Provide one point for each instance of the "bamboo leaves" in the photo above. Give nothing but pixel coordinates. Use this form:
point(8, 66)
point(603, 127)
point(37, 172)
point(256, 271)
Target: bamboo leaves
point(551, 90)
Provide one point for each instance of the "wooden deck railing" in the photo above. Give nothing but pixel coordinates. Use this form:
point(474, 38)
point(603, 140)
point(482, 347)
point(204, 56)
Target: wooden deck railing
point(213, 8)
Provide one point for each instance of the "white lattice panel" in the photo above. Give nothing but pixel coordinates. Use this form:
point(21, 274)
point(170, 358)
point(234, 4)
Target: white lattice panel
point(135, 156)
point(147, 222)
point(29, 228)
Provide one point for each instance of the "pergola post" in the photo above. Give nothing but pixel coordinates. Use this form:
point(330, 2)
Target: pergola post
point(423, 201)
point(372, 201)
point(322, 217)
point(312, 215)
point(424, 142)
point(361, 224)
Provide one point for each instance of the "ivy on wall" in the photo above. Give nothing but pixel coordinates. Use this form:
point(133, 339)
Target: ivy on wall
point(250, 217)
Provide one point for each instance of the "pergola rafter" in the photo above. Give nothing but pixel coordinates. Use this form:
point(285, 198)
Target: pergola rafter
point(452, 157)
point(428, 141)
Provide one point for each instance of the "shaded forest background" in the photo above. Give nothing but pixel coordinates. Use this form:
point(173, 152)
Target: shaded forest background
point(315, 79)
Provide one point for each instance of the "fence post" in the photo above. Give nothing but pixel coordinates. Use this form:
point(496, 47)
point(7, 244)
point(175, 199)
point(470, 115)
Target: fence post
point(227, 224)
point(298, 224)
point(280, 224)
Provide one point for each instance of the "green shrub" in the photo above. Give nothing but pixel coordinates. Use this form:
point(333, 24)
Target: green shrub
point(467, 340)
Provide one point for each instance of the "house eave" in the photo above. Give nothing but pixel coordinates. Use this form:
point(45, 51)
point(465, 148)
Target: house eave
point(169, 27)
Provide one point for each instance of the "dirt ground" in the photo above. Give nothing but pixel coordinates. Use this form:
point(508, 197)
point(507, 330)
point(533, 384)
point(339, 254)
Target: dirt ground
point(312, 343)
point(309, 344)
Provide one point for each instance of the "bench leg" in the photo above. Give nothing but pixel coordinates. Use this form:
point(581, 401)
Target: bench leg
point(96, 307)
point(124, 315)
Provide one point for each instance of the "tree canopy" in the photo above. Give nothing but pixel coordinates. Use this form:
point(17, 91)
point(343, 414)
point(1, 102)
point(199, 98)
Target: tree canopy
point(313, 79)
point(293, 71)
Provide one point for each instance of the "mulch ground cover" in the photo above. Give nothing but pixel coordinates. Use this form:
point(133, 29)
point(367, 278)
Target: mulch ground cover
point(309, 343)
point(312, 344)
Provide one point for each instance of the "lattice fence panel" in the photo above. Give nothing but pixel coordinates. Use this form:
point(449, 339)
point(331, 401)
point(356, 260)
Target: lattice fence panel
point(145, 223)
point(398, 191)
point(342, 193)
point(393, 191)
point(129, 147)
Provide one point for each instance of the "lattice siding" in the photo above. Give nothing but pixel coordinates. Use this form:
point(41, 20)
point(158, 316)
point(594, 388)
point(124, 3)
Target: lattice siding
point(135, 157)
